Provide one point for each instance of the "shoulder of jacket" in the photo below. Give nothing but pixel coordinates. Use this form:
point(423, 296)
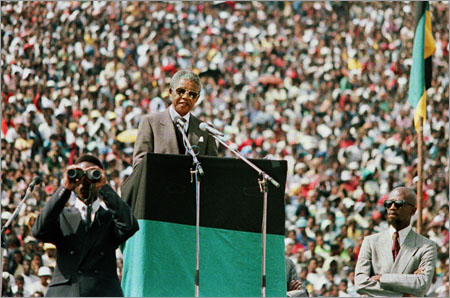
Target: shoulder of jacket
point(374, 236)
point(156, 115)
point(424, 240)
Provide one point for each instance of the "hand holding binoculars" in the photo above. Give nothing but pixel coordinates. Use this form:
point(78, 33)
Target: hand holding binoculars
point(76, 174)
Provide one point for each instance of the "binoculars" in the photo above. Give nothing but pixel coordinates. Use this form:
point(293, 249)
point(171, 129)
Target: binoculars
point(93, 175)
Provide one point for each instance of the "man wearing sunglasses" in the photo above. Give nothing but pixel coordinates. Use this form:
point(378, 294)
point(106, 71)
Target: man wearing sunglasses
point(157, 132)
point(396, 262)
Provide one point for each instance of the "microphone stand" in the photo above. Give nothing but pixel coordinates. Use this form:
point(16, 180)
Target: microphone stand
point(263, 187)
point(12, 217)
point(16, 212)
point(189, 149)
point(194, 173)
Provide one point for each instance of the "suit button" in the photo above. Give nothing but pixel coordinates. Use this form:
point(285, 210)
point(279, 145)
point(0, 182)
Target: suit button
point(102, 253)
point(95, 271)
point(72, 252)
point(80, 272)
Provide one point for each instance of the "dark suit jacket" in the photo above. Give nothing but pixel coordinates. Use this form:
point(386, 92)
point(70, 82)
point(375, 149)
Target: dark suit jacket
point(156, 134)
point(86, 261)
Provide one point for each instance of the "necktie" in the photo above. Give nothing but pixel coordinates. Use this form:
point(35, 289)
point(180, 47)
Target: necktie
point(395, 245)
point(88, 216)
point(181, 148)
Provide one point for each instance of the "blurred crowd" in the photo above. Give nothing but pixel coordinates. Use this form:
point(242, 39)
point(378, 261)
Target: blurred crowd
point(323, 85)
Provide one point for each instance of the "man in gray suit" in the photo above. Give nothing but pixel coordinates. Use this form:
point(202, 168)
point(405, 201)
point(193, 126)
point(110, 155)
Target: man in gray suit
point(295, 287)
point(398, 261)
point(157, 132)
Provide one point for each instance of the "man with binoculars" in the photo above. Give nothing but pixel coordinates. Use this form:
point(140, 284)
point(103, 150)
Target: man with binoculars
point(87, 235)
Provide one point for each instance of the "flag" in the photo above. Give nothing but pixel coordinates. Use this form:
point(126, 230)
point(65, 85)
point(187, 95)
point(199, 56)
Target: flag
point(420, 76)
point(160, 259)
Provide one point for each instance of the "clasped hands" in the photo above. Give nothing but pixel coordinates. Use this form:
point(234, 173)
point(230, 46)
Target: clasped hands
point(294, 285)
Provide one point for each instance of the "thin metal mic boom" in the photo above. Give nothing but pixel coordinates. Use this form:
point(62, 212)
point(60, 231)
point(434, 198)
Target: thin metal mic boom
point(35, 181)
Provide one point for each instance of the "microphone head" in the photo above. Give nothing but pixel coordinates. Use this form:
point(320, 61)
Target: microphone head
point(37, 180)
point(179, 120)
point(203, 126)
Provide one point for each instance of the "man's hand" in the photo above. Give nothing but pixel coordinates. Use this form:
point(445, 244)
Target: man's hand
point(72, 184)
point(102, 180)
point(68, 183)
point(294, 285)
point(376, 277)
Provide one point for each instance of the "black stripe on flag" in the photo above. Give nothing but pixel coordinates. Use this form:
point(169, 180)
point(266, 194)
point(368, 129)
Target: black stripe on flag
point(229, 193)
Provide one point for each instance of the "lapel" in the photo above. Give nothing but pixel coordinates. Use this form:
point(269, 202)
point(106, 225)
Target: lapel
point(96, 225)
point(167, 131)
point(385, 249)
point(71, 221)
point(98, 220)
point(407, 250)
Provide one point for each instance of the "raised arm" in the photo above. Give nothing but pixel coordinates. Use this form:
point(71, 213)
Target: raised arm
point(47, 228)
point(125, 222)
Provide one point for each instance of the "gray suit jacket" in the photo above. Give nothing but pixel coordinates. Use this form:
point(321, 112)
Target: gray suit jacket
point(291, 274)
point(156, 134)
point(397, 278)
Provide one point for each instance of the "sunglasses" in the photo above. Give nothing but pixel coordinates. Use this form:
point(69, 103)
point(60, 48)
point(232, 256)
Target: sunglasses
point(397, 203)
point(182, 91)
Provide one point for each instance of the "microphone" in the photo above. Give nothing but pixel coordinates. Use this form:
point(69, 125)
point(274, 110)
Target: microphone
point(35, 181)
point(180, 125)
point(179, 121)
point(207, 127)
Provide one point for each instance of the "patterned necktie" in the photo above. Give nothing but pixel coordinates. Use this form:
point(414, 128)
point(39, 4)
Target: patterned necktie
point(395, 245)
point(181, 148)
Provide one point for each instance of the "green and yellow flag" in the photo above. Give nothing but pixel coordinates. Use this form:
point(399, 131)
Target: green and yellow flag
point(424, 47)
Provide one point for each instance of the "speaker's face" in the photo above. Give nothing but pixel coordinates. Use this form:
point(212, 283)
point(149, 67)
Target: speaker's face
point(184, 96)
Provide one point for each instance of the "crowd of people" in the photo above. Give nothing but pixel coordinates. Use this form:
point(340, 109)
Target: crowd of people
point(323, 85)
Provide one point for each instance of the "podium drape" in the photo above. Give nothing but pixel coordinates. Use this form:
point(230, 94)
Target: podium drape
point(159, 260)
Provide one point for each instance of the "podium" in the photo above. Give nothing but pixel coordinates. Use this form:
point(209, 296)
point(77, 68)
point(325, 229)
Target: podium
point(159, 260)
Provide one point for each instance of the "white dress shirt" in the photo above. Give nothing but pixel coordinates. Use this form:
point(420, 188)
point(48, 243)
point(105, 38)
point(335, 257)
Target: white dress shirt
point(82, 207)
point(401, 234)
point(174, 114)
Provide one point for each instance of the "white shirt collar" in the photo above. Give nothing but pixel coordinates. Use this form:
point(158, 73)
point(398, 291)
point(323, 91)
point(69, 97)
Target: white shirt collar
point(174, 114)
point(401, 234)
point(82, 207)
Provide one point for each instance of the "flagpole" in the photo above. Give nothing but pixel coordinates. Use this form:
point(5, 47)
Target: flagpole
point(420, 78)
point(419, 195)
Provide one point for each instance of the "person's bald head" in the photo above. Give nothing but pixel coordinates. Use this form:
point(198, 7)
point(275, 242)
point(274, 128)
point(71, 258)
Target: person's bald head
point(406, 193)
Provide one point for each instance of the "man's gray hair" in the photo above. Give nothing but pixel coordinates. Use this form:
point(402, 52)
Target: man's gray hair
point(185, 74)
